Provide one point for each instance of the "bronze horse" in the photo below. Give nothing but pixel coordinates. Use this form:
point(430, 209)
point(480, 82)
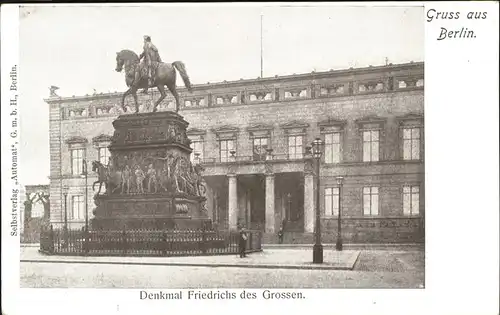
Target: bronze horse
point(135, 79)
point(102, 175)
point(105, 177)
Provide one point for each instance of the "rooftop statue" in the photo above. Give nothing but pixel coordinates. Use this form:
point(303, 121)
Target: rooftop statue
point(150, 73)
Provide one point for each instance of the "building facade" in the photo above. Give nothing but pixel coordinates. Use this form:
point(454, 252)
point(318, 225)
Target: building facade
point(252, 136)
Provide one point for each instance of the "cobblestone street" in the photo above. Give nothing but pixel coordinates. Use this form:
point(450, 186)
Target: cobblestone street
point(373, 269)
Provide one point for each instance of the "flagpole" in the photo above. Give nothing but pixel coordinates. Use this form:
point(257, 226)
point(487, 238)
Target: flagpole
point(261, 48)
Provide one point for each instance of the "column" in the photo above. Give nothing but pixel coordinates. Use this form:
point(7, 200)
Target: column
point(270, 203)
point(308, 203)
point(249, 209)
point(232, 202)
point(210, 200)
point(216, 207)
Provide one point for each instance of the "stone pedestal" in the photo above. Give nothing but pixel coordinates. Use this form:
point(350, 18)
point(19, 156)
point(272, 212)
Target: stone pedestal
point(151, 183)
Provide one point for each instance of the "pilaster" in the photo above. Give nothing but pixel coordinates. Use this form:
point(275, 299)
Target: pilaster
point(233, 202)
point(270, 203)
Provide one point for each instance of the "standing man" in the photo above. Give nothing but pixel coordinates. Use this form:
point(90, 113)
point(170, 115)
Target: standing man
point(280, 235)
point(150, 55)
point(243, 242)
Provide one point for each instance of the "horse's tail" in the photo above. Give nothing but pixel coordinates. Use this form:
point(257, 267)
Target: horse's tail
point(179, 65)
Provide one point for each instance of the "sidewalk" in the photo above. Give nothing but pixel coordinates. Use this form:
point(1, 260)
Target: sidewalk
point(390, 247)
point(269, 258)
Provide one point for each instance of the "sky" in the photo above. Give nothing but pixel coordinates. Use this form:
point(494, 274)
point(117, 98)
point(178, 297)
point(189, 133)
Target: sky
point(74, 48)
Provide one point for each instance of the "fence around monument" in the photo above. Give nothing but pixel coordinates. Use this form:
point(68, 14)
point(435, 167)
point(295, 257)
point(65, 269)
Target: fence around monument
point(78, 242)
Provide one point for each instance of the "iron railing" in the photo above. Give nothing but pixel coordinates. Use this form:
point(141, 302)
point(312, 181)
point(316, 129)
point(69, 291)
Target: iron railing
point(145, 242)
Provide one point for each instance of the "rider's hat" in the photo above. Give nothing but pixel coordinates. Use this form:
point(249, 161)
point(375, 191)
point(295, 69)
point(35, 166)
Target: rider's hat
point(147, 37)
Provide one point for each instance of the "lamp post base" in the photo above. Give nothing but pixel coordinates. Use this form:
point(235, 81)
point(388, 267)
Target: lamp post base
point(65, 236)
point(338, 245)
point(318, 254)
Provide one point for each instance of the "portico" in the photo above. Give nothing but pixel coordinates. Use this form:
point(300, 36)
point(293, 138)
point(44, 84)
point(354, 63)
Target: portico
point(262, 201)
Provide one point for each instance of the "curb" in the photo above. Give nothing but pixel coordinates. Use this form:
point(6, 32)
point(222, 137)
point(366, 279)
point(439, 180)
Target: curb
point(347, 246)
point(30, 244)
point(178, 264)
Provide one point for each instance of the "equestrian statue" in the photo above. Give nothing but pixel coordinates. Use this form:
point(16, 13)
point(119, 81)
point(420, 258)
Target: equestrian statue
point(112, 180)
point(150, 73)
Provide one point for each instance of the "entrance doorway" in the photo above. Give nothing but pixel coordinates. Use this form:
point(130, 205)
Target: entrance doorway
point(290, 196)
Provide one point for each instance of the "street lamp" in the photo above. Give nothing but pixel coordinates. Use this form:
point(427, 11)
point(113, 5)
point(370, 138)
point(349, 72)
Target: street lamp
point(317, 149)
point(65, 193)
point(338, 245)
point(289, 201)
point(85, 174)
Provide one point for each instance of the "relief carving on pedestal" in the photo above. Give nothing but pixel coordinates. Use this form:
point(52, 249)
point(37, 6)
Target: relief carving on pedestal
point(171, 133)
point(150, 172)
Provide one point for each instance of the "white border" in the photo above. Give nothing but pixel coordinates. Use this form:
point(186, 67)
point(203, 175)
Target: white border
point(461, 113)
point(10, 245)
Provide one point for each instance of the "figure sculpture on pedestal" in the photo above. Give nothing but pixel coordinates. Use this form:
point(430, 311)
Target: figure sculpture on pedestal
point(139, 179)
point(164, 178)
point(151, 57)
point(198, 180)
point(107, 175)
point(152, 73)
point(126, 176)
point(102, 176)
point(180, 170)
point(152, 179)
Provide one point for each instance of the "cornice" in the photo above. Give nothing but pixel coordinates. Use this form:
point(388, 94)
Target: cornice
point(267, 81)
point(372, 119)
point(332, 122)
point(225, 128)
point(195, 131)
point(258, 127)
point(410, 116)
point(76, 139)
point(102, 138)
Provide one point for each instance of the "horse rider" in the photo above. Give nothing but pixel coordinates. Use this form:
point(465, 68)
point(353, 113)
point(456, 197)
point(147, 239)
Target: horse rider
point(150, 55)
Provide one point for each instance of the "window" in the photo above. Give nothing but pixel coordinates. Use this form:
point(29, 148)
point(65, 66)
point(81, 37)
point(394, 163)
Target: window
point(370, 201)
point(197, 146)
point(370, 146)
point(260, 146)
point(332, 201)
point(104, 155)
point(295, 147)
point(411, 200)
point(77, 208)
point(411, 143)
point(77, 156)
point(332, 147)
point(226, 146)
